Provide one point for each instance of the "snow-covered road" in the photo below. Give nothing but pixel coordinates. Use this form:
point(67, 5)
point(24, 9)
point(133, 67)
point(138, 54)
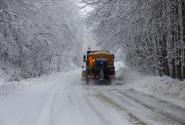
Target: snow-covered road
point(62, 99)
point(58, 100)
point(143, 108)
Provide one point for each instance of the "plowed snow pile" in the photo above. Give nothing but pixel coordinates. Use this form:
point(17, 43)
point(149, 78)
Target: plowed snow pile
point(164, 87)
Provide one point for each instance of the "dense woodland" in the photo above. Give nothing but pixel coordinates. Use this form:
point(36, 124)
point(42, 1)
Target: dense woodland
point(38, 37)
point(42, 36)
point(150, 33)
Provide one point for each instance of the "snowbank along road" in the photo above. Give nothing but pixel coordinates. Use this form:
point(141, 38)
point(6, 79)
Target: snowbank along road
point(63, 99)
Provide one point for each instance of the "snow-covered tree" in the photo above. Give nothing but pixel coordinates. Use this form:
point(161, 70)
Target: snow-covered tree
point(150, 32)
point(39, 36)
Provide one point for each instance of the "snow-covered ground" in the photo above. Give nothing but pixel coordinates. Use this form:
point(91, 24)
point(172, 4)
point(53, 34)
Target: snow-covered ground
point(58, 99)
point(164, 87)
point(63, 99)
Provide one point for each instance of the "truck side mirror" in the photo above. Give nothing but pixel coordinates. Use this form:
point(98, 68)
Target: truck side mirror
point(84, 58)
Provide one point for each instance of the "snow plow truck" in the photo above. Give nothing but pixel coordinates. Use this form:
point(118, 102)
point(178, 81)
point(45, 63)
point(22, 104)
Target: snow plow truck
point(99, 67)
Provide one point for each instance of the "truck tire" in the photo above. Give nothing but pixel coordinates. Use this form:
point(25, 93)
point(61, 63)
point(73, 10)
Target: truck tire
point(87, 81)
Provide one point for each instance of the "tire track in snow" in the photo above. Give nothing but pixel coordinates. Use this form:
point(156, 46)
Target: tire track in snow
point(108, 101)
point(98, 113)
point(160, 110)
point(144, 112)
point(162, 117)
point(162, 103)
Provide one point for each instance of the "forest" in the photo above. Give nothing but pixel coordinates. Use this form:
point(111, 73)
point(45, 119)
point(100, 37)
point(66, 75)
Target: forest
point(38, 37)
point(45, 36)
point(92, 62)
point(149, 34)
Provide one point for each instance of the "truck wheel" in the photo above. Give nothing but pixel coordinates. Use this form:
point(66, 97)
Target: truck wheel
point(108, 82)
point(87, 81)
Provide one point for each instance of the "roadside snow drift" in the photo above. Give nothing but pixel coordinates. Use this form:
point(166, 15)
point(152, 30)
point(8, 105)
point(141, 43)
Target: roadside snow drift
point(163, 87)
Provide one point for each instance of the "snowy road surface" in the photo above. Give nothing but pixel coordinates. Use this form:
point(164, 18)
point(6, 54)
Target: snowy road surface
point(62, 99)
